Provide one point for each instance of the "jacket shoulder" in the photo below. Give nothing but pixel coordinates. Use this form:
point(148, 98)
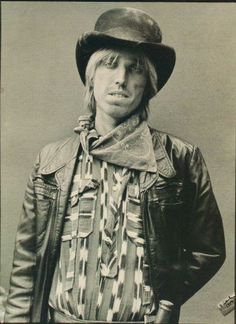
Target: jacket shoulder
point(51, 148)
point(171, 142)
point(170, 139)
point(56, 154)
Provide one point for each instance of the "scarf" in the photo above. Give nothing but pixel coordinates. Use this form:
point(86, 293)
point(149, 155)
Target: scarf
point(128, 145)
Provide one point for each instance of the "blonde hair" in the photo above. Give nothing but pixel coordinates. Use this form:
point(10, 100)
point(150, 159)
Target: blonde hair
point(104, 55)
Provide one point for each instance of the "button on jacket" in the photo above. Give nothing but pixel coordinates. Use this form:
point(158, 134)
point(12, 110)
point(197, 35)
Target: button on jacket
point(182, 225)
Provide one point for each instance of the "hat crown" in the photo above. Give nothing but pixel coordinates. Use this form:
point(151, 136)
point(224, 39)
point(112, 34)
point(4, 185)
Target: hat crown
point(127, 28)
point(130, 24)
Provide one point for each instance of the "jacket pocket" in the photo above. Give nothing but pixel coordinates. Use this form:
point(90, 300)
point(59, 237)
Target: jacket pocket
point(166, 215)
point(167, 192)
point(45, 197)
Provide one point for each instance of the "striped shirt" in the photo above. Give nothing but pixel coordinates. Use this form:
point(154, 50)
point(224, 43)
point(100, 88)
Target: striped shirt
point(99, 273)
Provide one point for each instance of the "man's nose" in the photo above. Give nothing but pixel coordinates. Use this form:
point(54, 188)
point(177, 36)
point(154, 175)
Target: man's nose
point(121, 75)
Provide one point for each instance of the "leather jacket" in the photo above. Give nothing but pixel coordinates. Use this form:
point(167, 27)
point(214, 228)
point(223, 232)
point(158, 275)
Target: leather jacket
point(183, 228)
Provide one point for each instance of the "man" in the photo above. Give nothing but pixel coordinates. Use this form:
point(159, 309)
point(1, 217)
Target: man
point(119, 222)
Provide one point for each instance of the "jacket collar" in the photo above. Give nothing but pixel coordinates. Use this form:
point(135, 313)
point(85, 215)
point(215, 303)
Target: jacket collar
point(68, 150)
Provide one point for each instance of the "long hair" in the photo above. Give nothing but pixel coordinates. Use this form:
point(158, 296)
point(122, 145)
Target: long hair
point(104, 55)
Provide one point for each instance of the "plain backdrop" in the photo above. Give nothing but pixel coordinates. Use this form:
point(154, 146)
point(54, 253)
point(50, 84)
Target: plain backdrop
point(42, 96)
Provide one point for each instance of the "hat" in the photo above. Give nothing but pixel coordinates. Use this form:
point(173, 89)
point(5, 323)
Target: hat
point(127, 28)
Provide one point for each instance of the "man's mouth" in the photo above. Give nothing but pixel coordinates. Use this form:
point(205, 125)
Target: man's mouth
point(119, 94)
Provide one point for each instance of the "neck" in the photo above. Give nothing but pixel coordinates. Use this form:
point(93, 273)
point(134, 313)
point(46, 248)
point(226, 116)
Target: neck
point(104, 123)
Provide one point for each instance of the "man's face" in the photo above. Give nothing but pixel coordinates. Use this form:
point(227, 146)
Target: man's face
point(119, 83)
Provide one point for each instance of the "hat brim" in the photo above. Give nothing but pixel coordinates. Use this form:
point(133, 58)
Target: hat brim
point(162, 56)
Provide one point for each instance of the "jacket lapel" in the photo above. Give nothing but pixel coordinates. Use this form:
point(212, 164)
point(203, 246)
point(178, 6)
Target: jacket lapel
point(164, 164)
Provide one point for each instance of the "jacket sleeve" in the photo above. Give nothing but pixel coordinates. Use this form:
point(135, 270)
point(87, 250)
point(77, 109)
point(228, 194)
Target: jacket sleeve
point(19, 300)
point(203, 238)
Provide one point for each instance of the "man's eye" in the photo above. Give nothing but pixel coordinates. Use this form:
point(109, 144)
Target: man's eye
point(137, 69)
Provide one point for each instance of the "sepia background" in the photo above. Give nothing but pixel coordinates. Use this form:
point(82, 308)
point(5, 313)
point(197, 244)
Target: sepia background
point(42, 97)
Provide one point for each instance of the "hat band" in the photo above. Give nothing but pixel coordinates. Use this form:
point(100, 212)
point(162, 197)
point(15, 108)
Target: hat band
point(131, 34)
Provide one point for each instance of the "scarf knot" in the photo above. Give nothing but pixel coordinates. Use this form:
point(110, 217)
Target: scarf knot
point(85, 123)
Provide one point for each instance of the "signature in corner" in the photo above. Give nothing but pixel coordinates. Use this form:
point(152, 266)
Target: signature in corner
point(227, 305)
